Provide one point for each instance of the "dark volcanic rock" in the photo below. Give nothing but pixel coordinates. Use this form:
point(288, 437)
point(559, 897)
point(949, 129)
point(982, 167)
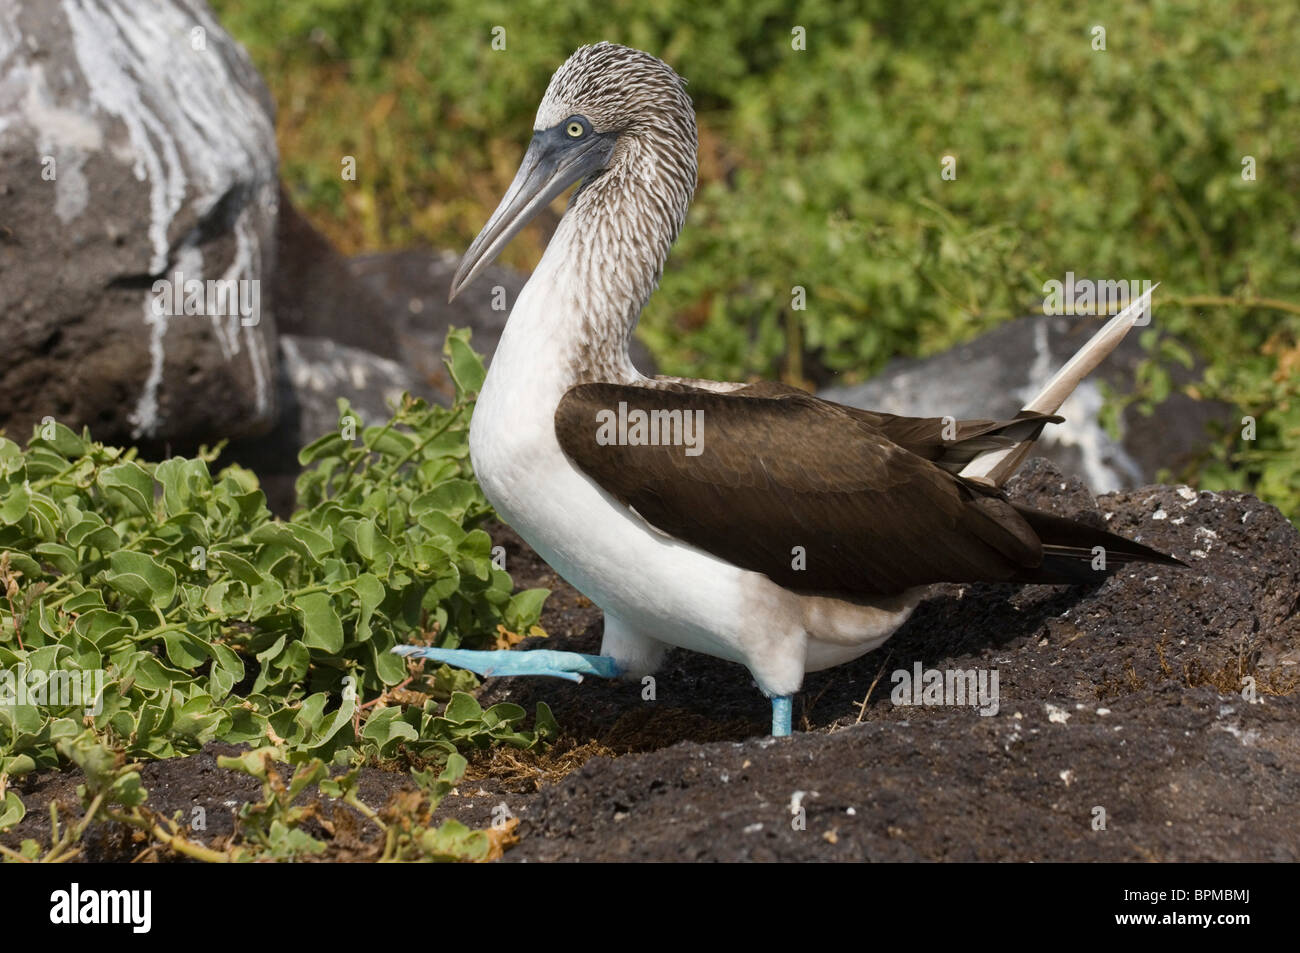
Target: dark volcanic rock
point(136, 143)
point(414, 284)
point(1180, 775)
point(991, 375)
point(1040, 484)
point(318, 295)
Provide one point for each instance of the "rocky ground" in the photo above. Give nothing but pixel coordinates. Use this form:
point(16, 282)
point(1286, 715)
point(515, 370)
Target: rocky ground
point(1122, 732)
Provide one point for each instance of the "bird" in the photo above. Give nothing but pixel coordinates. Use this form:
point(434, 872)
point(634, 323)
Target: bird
point(753, 522)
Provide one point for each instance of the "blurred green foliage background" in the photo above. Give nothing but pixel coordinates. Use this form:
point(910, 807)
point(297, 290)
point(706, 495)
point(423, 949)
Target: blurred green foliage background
point(821, 168)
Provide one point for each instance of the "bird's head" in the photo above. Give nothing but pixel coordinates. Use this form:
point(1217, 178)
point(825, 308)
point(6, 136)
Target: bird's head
point(610, 113)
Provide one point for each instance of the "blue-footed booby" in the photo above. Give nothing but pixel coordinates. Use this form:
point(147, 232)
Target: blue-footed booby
point(752, 522)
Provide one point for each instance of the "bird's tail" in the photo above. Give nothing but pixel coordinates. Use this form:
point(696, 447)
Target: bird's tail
point(994, 467)
point(1074, 552)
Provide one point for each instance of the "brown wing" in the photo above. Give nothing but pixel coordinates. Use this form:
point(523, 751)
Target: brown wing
point(803, 490)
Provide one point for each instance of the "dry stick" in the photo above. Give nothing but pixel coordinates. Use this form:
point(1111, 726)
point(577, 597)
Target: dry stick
point(18, 632)
point(1227, 301)
point(11, 589)
point(14, 856)
point(187, 847)
point(863, 710)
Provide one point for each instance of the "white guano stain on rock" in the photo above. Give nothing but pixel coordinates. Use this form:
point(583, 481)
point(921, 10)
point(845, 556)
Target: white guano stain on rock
point(113, 51)
point(1248, 738)
point(145, 415)
point(65, 135)
point(194, 131)
point(1056, 714)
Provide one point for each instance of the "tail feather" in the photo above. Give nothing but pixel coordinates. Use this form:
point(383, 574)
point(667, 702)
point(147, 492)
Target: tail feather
point(995, 467)
point(1074, 552)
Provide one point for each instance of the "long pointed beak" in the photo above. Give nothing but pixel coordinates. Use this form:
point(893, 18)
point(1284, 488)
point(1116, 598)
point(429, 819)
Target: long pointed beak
point(551, 164)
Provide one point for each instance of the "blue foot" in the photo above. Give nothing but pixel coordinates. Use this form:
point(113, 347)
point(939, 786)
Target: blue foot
point(782, 709)
point(567, 665)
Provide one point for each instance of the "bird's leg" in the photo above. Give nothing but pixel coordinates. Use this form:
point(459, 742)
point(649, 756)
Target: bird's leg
point(567, 665)
point(782, 709)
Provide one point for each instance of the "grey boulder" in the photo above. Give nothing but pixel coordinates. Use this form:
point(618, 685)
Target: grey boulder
point(137, 147)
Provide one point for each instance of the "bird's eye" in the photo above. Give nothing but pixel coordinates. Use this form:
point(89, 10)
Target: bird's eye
point(575, 129)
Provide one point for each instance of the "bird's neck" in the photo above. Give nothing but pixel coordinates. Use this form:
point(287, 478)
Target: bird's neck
point(606, 259)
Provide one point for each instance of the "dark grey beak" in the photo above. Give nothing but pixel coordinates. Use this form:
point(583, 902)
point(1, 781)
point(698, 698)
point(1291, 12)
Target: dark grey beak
point(552, 163)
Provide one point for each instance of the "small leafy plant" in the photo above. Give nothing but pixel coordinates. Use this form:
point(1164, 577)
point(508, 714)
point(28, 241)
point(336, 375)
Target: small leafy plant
point(159, 607)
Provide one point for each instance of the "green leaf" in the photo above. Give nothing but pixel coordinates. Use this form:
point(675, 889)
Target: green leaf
point(14, 504)
point(465, 366)
point(17, 765)
point(370, 594)
point(129, 486)
point(330, 445)
point(63, 558)
point(128, 791)
point(385, 730)
point(454, 841)
point(11, 810)
point(65, 442)
point(462, 709)
point(185, 650)
point(91, 531)
point(266, 598)
point(24, 564)
point(544, 723)
point(503, 713)
point(453, 497)
point(237, 566)
point(11, 457)
point(141, 577)
point(524, 609)
point(152, 675)
point(299, 537)
point(321, 625)
point(342, 718)
point(183, 481)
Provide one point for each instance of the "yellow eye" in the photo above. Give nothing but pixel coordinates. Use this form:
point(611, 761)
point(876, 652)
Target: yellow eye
point(575, 130)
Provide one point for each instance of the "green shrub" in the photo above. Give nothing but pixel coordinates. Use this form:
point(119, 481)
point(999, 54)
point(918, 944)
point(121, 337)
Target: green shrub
point(210, 620)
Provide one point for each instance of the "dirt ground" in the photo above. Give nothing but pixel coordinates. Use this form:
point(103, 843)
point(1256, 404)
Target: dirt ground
point(1121, 731)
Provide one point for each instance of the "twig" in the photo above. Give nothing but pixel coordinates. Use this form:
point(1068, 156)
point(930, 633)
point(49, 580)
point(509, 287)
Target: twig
point(863, 710)
point(1193, 301)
